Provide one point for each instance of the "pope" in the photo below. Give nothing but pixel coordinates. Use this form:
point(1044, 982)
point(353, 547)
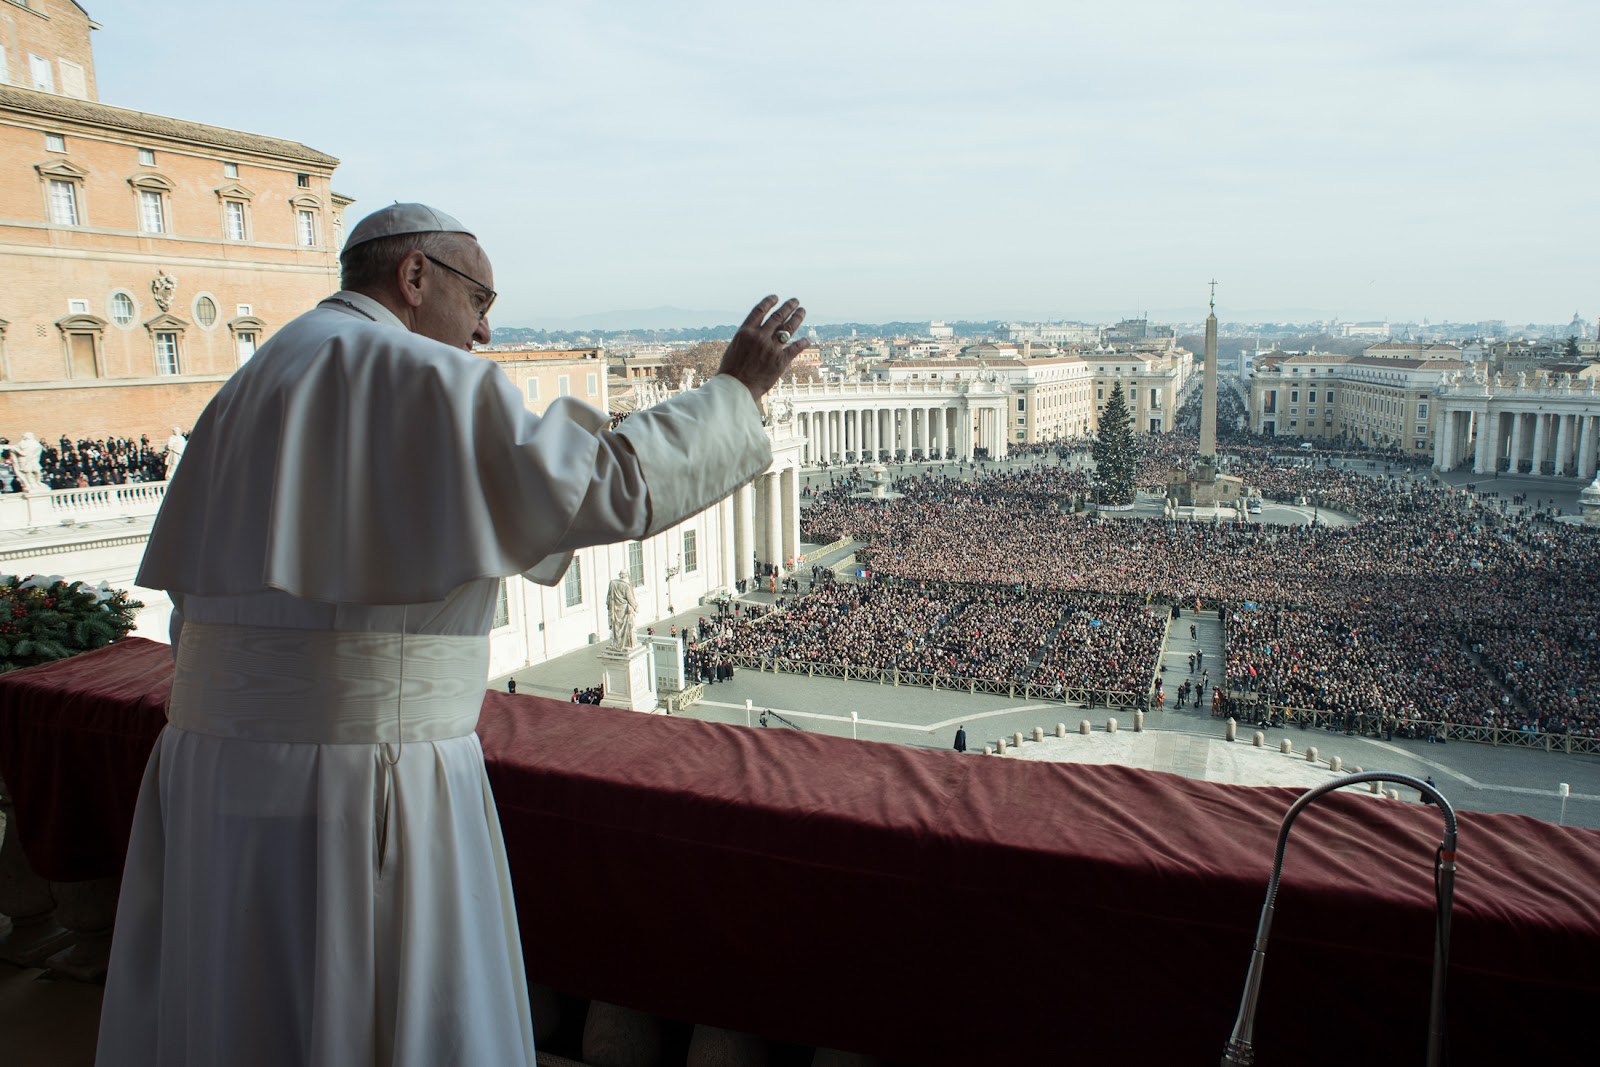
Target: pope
point(315, 873)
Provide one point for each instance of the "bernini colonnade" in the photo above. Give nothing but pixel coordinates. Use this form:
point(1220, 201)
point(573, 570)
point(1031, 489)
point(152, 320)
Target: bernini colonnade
point(939, 417)
point(1550, 428)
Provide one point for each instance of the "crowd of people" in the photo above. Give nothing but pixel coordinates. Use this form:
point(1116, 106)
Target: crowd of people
point(1430, 606)
point(953, 633)
point(82, 464)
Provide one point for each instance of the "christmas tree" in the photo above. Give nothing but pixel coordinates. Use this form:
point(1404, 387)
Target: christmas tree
point(1116, 457)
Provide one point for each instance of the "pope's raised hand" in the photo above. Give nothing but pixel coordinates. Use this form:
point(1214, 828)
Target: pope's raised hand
point(765, 345)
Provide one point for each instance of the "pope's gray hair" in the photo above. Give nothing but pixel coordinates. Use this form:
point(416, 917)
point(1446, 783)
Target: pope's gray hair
point(371, 264)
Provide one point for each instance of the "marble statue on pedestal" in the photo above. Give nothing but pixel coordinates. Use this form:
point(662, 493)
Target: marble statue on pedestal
point(621, 606)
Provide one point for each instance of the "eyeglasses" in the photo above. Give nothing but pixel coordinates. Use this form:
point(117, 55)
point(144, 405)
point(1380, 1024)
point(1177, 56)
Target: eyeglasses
point(487, 302)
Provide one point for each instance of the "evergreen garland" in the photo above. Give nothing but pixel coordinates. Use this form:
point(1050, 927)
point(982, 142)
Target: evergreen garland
point(1116, 456)
point(45, 619)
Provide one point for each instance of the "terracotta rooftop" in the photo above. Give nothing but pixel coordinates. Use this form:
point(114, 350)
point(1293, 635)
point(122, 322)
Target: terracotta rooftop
point(51, 106)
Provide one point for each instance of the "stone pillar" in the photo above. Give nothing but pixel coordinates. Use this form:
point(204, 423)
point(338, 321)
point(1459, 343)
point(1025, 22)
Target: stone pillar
point(1488, 444)
point(744, 541)
point(1516, 441)
point(1563, 444)
point(1541, 442)
point(1586, 448)
point(774, 493)
point(789, 482)
point(1444, 441)
point(730, 556)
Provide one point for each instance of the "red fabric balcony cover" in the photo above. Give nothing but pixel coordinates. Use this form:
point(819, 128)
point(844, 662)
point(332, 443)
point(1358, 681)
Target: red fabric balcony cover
point(928, 907)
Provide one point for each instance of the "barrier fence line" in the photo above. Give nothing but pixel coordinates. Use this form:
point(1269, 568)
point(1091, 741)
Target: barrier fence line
point(1363, 725)
point(1087, 696)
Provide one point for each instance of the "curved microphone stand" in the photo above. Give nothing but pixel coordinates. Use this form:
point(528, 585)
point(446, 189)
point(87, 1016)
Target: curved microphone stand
point(1239, 1051)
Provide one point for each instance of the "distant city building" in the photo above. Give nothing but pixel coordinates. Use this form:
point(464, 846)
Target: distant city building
point(1411, 350)
point(1132, 330)
point(1060, 333)
point(939, 330)
point(1377, 401)
point(1365, 329)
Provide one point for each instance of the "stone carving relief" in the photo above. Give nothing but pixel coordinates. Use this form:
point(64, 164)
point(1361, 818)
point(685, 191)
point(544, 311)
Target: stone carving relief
point(164, 288)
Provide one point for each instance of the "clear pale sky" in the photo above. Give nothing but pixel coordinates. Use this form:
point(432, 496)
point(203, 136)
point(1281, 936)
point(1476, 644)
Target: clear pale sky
point(914, 160)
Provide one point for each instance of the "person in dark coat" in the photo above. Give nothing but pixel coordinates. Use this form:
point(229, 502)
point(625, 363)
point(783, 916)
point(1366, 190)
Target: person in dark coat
point(961, 739)
point(511, 685)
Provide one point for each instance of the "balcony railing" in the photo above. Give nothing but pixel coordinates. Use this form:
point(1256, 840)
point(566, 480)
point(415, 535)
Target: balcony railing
point(919, 906)
point(66, 507)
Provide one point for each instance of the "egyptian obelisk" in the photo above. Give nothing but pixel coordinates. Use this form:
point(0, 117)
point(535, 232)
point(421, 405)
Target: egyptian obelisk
point(1208, 398)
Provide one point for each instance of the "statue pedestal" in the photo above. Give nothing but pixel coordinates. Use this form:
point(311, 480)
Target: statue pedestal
point(625, 678)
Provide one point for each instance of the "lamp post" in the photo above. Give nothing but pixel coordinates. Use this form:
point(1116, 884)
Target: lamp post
point(672, 572)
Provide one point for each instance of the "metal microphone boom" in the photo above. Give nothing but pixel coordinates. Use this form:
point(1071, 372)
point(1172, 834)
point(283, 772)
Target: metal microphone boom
point(1239, 1051)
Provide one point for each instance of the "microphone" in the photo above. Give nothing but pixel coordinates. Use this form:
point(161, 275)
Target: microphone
point(1240, 1050)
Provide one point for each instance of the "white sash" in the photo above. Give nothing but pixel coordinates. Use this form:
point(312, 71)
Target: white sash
point(326, 687)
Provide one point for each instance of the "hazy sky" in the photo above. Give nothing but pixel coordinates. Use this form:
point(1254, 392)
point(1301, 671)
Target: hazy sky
point(906, 160)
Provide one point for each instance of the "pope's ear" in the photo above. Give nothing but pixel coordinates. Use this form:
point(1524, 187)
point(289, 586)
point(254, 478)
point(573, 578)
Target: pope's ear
point(408, 276)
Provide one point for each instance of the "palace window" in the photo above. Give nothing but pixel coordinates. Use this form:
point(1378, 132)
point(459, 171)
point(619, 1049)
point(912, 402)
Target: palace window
point(205, 311)
point(564, 386)
point(306, 227)
point(691, 552)
point(63, 202)
point(594, 384)
point(44, 79)
point(572, 584)
point(152, 211)
point(533, 390)
point(82, 334)
point(230, 170)
point(166, 352)
point(147, 157)
point(122, 309)
point(502, 608)
point(636, 563)
point(233, 219)
point(55, 142)
point(244, 343)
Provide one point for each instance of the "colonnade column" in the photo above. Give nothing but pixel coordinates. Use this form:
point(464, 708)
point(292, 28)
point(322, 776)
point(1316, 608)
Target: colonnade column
point(1586, 447)
point(1541, 443)
point(772, 485)
point(1444, 441)
point(727, 550)
point(1516, 441)
point(789, 498)
point(1488, 444)
point(1563, 443)
point(744, 539)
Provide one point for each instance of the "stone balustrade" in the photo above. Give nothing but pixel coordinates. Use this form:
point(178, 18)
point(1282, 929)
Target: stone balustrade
point(66, 507)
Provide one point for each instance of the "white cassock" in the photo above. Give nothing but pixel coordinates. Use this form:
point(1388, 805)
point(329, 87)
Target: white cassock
point(299, 889)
